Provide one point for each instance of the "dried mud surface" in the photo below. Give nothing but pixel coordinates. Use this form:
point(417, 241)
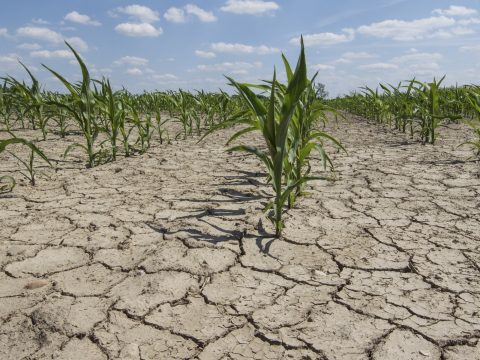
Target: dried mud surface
point(168, 256)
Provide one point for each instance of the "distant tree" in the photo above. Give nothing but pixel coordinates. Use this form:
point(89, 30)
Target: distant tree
point(320, 90)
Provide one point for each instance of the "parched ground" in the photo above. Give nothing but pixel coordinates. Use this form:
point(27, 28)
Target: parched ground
point(167, 256)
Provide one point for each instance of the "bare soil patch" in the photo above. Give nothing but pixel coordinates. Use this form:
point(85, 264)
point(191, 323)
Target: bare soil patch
point(168, 256)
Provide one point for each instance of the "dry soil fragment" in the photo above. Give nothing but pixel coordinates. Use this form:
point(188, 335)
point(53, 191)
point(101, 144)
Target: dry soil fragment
point(338, 332)
point(83, 349)
point(89, 280)
point(70, 316)
point(245, 289)
point(306, 263)
point(45, 231)
point(242, 344)
point(138, 295)
point(18, 339)
point(404, 345)
point(125, 339)
point(196, 318)
point(463, 352)
point(48, 261)
point(174, 255)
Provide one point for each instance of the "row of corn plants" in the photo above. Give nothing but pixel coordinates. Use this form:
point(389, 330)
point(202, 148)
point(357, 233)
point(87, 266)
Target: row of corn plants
point(414, 107)
point(106, 119)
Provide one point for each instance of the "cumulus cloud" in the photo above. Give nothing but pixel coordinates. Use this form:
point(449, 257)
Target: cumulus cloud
point(40, 22)
point(205, 54)
point(139, 12)
point(138, 30)
point(81, 19)
point(230, 66)
point(134, 72)
point(323, 67)
point(454, 10)
point(78, 43)
point(243, 49)
point(165, 77)
point(202, 15)
point(40, 33)
point(473, 48)
point(325, 38)
point(181, 15)
point(250, 7)
point(378, 66)
point(175, 15)
point(131, 60)
point(29, 46)
point(47, 54)
point(45, 34)
point(402, 30)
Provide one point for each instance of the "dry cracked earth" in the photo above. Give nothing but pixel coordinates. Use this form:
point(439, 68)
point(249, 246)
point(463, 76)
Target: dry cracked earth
point(168, 256)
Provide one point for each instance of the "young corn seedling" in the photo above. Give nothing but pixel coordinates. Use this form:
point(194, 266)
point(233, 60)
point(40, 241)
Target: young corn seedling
point(474, 99)
point(82, 108)
point(272, 118)
point(111, 107)
point(304, 137)
point(30, 175)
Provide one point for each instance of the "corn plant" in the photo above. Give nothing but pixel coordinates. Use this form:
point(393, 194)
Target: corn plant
point(7, 182)
point(272, 117)
point(7, 108)
point(81, 107)
point(111, 106)
point(304, 137)
point(474, 99)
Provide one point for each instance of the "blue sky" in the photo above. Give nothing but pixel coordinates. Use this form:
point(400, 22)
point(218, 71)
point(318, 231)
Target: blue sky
point(161, 44)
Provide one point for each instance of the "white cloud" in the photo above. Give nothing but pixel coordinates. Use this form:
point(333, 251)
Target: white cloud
point(326, 38)
point(357, 55)
point(242, 49)
point(47, 54)
point(40, 33)
point(9, 59)
point(205, 54)
point(401, 30)
point(378, 66)
point(138, 30)
point(78, 43)
point(349, 57)
point(466, 22)
point(230, 66)
point(134, 72)
point(455, 11)
point(45, 34)
point(81, 19)
point(474, 48)
point(132, 60)
point(40, 21)
point(250, 7)
point(175, 15)
point(165, 77)
point(419, 63)
point(3, 32)
point(417, 58)
point(140, 12)
point(27, 46)
point(323, 67)
point(202, 15)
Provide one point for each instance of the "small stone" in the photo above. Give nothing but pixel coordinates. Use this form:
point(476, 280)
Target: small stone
point(424, 353)
point(35, 284)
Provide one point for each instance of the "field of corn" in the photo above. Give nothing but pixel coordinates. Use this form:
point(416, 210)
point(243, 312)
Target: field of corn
point(268, 223)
